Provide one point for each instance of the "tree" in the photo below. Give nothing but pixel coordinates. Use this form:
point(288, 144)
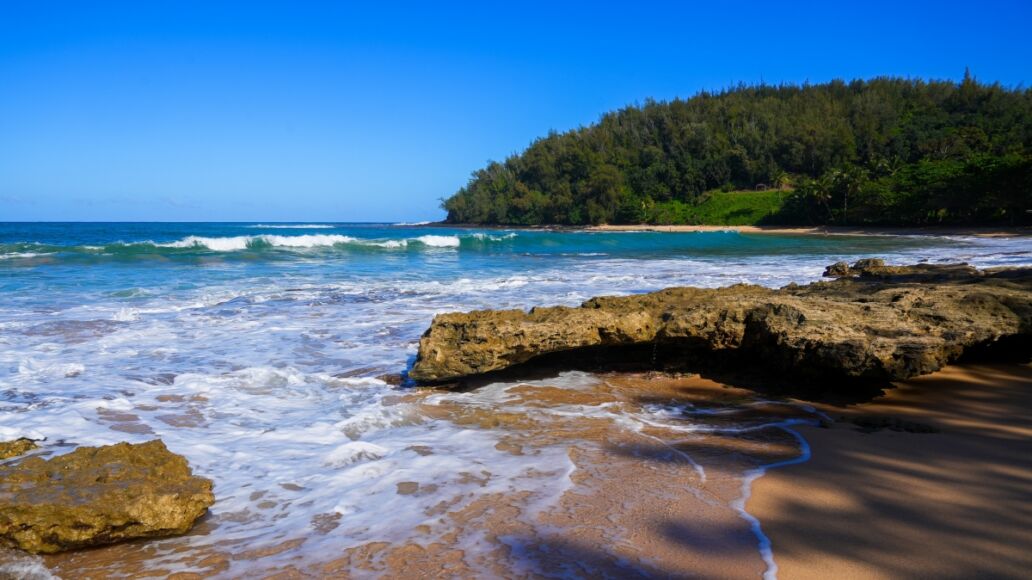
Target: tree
point(909, 140)
point(850, 181)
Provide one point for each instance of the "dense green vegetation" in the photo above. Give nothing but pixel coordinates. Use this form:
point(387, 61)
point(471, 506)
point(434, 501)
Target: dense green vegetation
point(723, 208)
point(884, 151)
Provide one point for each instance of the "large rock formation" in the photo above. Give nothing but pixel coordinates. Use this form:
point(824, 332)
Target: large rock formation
point(874, 322)
point(99, 495)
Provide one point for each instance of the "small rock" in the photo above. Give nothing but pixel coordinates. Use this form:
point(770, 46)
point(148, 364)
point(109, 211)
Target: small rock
point(393, 379)
point(868, 264)
point(9, 449)
point(408, 487)
point(99, 495)
point(837, 270)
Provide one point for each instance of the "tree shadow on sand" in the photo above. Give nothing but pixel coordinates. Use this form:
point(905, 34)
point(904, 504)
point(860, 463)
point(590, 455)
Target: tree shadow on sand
point(952, 504)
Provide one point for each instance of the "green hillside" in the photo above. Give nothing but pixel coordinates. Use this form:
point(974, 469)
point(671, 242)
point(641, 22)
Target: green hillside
point(884, 151)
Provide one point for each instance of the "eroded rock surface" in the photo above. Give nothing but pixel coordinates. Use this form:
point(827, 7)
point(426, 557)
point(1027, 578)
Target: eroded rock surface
point(874, 322)
point(21, 446)
point(99, 495)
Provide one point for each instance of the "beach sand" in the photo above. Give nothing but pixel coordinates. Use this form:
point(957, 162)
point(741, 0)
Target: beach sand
point(956, 503)
point(644, 500)
point(933, 478)
point(992, 232)
point(976, 231)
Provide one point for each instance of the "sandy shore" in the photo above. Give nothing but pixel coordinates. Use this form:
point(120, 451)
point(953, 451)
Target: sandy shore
point(598, 524)
point(987, 232)
point(956, 503)
point(828, 230)
point(931, 479)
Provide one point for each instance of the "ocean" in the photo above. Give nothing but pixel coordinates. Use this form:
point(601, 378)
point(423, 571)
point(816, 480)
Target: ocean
point(254, 350)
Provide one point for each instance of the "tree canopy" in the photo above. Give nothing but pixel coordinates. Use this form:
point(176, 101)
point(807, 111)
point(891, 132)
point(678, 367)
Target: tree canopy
point(879, 151)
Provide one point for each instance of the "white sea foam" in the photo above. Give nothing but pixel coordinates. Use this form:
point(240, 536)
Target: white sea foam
point(483, 236)
point(218, 244)
point(439, 241)
point(126, 315)
point(353, 452)
point(11, 433)
point(237, 243)
point(31, 368)
point(234, 243)
point(766, 551)
point(22, 566)
point(16, 255)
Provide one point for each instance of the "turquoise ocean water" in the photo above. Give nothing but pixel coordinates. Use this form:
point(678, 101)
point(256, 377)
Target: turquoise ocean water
point(269, 339)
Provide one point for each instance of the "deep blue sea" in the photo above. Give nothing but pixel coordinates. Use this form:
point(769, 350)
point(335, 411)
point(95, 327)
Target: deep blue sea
point(253, 349)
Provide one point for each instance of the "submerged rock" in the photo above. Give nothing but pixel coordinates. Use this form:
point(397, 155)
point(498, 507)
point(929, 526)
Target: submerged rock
point(21, 446)
point(875, 322)
point(99, 495)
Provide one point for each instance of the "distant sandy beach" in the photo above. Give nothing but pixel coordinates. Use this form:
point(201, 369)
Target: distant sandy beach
point(994, 232)
point(986, 232)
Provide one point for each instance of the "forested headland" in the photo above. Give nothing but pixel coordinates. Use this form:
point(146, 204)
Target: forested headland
point(885, 151)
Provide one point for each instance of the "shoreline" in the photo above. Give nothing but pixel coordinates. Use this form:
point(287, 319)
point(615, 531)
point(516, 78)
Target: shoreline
point(929, 479)
point(976, 231)
point(937, 484)
point(989, 232)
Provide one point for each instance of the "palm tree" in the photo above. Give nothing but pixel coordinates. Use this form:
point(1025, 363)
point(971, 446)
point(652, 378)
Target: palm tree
point(886, 166)
point(852, 181)
point(779, 179)
point(823, 187)
point(816, 192)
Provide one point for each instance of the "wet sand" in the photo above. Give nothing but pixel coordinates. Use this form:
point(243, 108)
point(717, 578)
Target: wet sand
point(956, 503)
point(647, 495)
point(642, 502)
point(932, 479)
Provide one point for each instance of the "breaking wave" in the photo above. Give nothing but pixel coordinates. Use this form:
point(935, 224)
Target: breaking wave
point(200, 246)
point(236, 243)
point(292, 226)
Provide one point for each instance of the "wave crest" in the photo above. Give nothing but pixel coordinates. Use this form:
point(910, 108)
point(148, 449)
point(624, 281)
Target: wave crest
point(292, 226)
point(439, 241)
point(33, 252)
point(236, 243)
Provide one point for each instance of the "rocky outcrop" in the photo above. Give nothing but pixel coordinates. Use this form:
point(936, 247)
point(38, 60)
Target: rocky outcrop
point(923, 273)
point(99, 495)
point(21, 446)
point(875, 322)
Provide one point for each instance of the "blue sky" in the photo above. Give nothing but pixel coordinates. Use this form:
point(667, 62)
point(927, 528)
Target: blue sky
point(322, 111)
